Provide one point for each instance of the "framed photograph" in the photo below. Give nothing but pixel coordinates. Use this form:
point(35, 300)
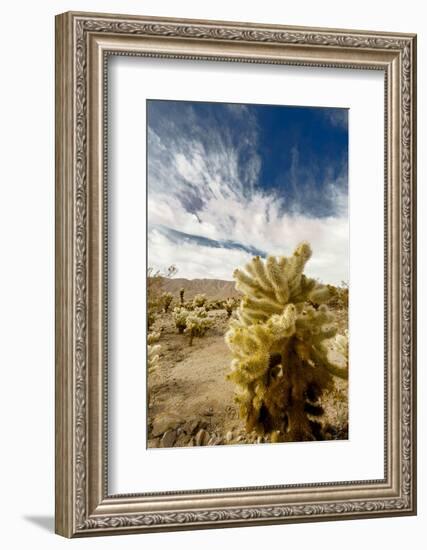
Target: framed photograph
point(235, 274)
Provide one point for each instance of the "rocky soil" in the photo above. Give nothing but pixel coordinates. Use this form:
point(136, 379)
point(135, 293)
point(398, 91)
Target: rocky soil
point(191, 402)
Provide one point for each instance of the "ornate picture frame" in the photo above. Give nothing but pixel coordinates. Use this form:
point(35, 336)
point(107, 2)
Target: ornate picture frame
point(84, 42)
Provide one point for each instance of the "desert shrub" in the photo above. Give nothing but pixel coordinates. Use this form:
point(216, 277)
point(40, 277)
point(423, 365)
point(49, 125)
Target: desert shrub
point(154, 287)
point(338, 296)
point(199, 300)
point(155, 281)
point(280, 363)
point(154, 284)
point(344, 297)
point(166, 300)
point(214, 305)
point(209, 305)
point(180, 315)
point(197, 323)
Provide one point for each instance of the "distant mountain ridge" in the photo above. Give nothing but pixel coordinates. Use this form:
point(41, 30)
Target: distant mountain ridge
point(215, 289)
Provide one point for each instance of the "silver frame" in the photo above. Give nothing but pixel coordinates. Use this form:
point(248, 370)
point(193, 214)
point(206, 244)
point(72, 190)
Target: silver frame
point(83, 43)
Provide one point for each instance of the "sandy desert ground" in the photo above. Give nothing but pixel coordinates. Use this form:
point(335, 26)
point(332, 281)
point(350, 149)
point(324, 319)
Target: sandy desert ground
point(191, 402)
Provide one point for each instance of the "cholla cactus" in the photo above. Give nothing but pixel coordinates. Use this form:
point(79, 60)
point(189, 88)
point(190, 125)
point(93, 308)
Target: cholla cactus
point(180, 315)
point(197, 323)
point(151, 317)
point(167, 298)
point(199, 300)
point(337, 352)
point(340, 343)
point(280, 364)
point(153, 337)
point(181, 296)
point(229, 306)
point(153, 356)
point(153, 350)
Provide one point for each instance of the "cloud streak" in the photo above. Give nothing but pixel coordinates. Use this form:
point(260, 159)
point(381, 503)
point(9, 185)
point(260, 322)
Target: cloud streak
point(178, 237)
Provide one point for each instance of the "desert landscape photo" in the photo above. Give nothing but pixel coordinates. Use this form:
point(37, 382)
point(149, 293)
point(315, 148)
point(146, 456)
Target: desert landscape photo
point(247, 279)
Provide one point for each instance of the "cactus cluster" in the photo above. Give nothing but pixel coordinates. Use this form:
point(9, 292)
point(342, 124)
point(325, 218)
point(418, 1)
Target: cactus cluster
point(193, 322)
point(281, 364)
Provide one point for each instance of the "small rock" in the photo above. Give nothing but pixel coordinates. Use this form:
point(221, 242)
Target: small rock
point(182, 440)
point(337, 359)
point(163, 423)
point(168, 438)
point(215, 440)
point(191, 426)
point(229, 436)
point(201, 438)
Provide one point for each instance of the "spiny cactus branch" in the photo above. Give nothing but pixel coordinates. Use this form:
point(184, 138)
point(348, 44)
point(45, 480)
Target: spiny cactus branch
point(280, 360)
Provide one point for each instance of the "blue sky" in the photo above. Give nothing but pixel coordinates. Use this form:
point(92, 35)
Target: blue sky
point(228, 181)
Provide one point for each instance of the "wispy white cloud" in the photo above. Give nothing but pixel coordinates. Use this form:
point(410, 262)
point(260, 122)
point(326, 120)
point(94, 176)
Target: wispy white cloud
point(193, 261)
point(204, 184)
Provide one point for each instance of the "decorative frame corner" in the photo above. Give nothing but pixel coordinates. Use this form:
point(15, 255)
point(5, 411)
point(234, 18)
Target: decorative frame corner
point(83, 41)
